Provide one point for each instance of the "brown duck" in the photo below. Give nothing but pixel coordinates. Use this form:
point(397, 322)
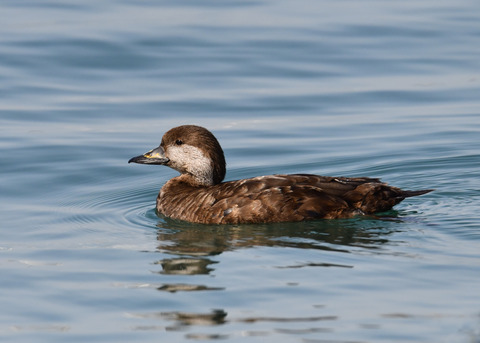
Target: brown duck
point(198, 194)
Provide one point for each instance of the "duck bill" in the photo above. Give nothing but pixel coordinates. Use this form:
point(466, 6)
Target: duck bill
point(155, 156)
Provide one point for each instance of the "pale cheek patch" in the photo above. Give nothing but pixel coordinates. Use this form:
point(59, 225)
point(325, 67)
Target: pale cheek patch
point(187, 158)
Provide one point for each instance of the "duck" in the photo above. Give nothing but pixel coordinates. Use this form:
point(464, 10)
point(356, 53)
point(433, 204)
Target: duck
point(200, 194)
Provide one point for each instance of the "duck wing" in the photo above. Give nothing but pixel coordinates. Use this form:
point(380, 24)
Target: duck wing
point(304, 197)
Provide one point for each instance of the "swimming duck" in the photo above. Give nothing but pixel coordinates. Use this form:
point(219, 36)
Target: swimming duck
point(198, 194)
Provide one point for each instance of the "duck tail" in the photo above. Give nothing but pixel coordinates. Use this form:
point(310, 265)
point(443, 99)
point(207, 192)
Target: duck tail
point(408, 194)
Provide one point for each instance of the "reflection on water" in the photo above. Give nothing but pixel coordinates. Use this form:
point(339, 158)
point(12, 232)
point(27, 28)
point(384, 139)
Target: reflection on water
point(219, 317)
point(216, 317)
point(183, 319)
point(316, 265)
point(187, 288)
point(194, 245)
point(285, 319)
point(192, 252)
point(192, 240)
point(185, 266)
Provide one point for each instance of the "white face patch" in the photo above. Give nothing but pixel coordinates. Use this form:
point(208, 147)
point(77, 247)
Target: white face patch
point(186, 158)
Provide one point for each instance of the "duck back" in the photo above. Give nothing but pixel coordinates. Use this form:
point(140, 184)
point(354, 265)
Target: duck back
point(278, 198)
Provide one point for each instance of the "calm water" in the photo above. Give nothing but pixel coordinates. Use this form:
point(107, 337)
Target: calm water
point(371, 88)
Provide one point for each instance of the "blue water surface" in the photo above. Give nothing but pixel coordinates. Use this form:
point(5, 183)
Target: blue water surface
point(370, 88)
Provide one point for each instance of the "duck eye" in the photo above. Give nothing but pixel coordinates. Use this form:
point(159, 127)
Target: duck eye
point(178, 142)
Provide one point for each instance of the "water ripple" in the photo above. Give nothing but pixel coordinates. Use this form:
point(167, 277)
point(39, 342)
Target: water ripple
point(129, 206)
point(287, 86)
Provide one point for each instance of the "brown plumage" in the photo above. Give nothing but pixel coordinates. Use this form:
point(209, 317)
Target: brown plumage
point(198, 195)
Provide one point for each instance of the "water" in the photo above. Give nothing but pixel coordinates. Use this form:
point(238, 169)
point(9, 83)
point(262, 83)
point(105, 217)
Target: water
point(377, 89)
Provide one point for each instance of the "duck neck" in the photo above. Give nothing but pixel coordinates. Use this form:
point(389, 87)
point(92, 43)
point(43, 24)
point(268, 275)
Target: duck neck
point(196, 180)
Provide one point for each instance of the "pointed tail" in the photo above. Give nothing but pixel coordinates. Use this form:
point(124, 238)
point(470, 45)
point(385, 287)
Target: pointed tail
point(408, 194)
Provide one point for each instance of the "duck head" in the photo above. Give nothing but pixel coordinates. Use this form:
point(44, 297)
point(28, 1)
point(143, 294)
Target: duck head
point(191, 150)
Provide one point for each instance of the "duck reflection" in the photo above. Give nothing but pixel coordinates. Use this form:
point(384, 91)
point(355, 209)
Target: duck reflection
point(215, 317)
point(195, 243)
point(182, 320)
point(193, 249)
point(185, 266)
